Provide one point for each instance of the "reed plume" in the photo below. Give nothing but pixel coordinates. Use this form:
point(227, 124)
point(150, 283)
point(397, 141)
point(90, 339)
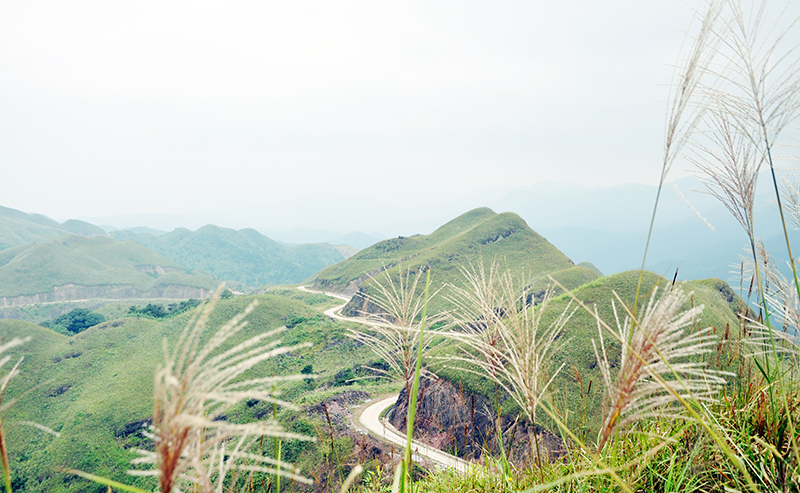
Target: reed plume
point(502, 332)
point(655, 366)
point(393, 333)
point(195, 445)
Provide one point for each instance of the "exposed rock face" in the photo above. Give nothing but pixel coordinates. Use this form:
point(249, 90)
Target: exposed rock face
point(157, 269)
point(464, 424)
point(70, 292)
point(360, 306)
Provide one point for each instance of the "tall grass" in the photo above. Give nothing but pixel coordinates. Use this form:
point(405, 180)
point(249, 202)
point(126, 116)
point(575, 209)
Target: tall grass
point(194, 389)
point(6, 405)
point(196, 447)
point(393, 330)
point(506, 341)
point(737, 87)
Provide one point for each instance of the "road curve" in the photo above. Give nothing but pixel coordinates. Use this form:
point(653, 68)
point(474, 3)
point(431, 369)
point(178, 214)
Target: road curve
point(370, 417)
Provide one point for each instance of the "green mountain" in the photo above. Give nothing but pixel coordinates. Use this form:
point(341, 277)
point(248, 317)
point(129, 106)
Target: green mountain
point(245, 256)
point(77, 267)
point(20, 228)
point(478, 235)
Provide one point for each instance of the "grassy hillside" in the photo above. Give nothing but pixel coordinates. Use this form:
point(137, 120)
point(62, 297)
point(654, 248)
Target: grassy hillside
point(577, 355)
point(90, 262)
point(96, 388)
point(245, 256)
point(480, 234)
point(20, 228)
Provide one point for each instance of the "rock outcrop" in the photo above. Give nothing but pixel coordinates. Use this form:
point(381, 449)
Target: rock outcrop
point(464, 424)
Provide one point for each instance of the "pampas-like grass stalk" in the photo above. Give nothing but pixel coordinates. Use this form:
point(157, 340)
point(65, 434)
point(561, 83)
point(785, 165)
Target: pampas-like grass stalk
point(6, 405)
point(504, 337)
point(655, 367)
point(393, 334)
point(194, 442)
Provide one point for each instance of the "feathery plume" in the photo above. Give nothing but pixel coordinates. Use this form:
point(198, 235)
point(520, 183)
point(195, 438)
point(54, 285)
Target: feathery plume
point(194, 443)
point(504, 337)
point(655, 366)
point(393, 333)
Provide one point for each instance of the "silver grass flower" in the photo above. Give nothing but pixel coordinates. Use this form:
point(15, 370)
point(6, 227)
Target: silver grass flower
point(655, 365)
point(194, 443)
point(393, 333)
point(784, 305)
point(504, 337)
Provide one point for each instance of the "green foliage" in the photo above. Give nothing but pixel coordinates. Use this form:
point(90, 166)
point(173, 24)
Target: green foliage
point(245, 256)
point(78, 320)
point(155, 310)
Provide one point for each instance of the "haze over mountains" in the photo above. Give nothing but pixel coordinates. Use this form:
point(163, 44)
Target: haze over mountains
point(606, 225)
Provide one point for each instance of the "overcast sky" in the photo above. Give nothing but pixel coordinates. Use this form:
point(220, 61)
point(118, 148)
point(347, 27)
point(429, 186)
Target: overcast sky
point(166, 107)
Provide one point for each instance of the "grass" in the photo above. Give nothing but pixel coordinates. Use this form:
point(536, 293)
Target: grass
point(83, 379)
point(99, 266)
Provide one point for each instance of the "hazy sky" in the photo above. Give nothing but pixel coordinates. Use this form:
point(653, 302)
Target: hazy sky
point(170, 107)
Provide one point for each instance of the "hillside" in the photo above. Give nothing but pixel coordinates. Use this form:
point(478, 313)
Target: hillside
point(77, 267)
point(478, 234)
point(721, 306)
point(245, 256)
point(82, 386)
point(20, 228)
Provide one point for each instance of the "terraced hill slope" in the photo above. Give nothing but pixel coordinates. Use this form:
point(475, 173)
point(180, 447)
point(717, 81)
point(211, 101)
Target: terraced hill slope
point(73, 267)
point(245, 256)
point(478, 235)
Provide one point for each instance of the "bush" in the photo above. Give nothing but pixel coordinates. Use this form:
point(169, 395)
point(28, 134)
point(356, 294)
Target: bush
point(78, 320)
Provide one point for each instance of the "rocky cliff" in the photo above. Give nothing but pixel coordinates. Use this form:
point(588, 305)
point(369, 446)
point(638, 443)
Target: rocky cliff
point(463, 423)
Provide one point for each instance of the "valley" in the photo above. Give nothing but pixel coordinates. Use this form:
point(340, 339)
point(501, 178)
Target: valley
point(75, 384)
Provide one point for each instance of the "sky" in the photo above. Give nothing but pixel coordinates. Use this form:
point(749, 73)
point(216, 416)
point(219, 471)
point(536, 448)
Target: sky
point(289, 114)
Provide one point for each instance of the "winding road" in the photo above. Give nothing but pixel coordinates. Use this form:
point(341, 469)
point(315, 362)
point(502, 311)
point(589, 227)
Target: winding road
point(369, 418)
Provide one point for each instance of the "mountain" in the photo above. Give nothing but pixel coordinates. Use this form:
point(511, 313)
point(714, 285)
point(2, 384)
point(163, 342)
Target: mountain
point(20, 228)
point(72, 267)
point(245, 256)
point(480, 235)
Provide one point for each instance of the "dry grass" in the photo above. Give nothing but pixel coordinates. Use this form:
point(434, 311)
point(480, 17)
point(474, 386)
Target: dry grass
point(501, 330)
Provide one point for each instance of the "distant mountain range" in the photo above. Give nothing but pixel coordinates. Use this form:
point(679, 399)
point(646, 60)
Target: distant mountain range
point(245, 256)
point(42, 260)
point(71, 267)
point(20, 228)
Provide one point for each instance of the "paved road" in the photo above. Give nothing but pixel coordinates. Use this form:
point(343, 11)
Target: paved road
point(370, 417)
